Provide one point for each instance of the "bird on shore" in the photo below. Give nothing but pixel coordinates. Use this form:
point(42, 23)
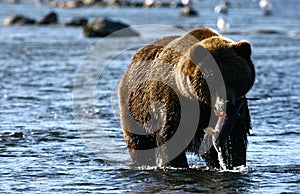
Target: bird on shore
point(266, 7)
point(187, 2)
point(222, 24)
point(148, 3)
point(222, 8)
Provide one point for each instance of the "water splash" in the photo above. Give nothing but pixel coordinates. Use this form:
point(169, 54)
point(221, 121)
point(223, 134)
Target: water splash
point(221, 161)
point(238, 169)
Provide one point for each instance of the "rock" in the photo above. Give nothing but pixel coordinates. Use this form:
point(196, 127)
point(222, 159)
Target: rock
point(115, 3)
point(70, 4)
point(51, 18)
point(18, 20)
point(14, 1)
point(74, 4)
point(103, 26)
point(80, 21)
point(92, 2)
point(188, 11)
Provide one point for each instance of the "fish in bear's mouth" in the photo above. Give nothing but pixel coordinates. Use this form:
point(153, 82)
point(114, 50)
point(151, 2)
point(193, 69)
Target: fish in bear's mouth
point(225, 121)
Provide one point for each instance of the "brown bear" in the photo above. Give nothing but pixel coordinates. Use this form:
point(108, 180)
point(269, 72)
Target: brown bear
point(177, 89)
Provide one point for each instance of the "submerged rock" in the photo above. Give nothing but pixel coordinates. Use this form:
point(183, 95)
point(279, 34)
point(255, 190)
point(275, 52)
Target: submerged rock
point(103, 26)
point(18, 20)
point(77, 22)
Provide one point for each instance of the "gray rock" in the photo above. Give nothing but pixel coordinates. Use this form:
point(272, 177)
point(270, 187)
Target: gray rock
point(103, 26)
point(51, 18)
point(188, 11)
point(91, 2)
point(80, 21)
point(18, 20)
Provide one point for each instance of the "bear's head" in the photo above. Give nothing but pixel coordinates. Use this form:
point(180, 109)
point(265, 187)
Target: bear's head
point(233, 60)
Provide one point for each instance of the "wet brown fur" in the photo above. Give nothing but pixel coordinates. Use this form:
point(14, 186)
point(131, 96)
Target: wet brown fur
point(164, 59)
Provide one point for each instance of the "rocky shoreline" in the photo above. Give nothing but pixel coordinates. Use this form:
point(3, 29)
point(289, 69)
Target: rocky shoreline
point(100, 27)
point(113, 3)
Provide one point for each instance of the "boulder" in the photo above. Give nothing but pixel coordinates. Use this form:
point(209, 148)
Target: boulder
point(14, 1)
point(50, 18)
point(18, 20)
point(103, 26)
point(188, 11)
point(92, 2)
point(80, 21)
point(74, 4)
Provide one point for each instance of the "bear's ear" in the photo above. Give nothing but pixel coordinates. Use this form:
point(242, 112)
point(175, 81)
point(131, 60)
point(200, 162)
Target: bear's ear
point(243, 48)
point(203, 33)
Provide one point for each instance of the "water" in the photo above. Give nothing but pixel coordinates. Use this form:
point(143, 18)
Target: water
point(46, 148)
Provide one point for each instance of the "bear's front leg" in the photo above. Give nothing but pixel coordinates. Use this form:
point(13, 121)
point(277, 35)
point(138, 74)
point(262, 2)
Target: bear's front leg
point(166, 150)
point(139, 158)
point(141, 149)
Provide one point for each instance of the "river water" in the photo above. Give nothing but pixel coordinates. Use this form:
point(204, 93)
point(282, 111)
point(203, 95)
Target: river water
point(53, 141)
